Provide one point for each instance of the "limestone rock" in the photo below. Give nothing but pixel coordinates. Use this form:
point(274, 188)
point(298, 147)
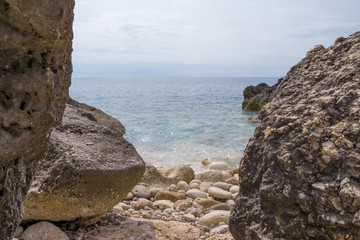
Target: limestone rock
point(215, 217)
point(196, 193)
point(219, 193)
point(141, 191)
point(167, 195)
point(88, 170)
point(35, 71)
point(44, 230)
point(154, 178)
point(299, 175)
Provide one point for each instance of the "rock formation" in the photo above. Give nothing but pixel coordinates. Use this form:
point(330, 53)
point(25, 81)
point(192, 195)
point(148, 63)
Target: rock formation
point(255, 97)
point(35, 69)
point(89, 169)
point(300, 173)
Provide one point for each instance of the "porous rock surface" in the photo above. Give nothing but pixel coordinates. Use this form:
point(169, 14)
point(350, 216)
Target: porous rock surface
point(299, 176)
point(89, 168)
point(35, 70)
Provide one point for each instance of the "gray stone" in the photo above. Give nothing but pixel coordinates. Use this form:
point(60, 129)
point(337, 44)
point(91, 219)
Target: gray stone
point(44, 230)
point(141, 192)
point(219, 193)
point(88, 170)
point(35, 72)
point(196, 193)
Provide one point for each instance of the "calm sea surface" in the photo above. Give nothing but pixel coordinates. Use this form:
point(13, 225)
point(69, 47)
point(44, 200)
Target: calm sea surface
point(176, 120)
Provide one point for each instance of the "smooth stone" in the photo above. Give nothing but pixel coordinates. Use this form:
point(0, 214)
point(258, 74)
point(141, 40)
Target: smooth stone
point(173, 188)
point(231, 203)
point(220, 229)
point(204, 186)
point(180, 172)
point(215, 217)
point(213, 176)
point(232, 180)
point(206, 202)
point(195, 181)
point(234, 189)
point(154, 191)
point(129, 196)
point(141, 203)
point(163, 204)
point(44, 230)
point(206, 162)
point(189, 217)
point(182, 185)
point(219, 193)
point(223, 185)
point(196, 193)
point(221, 206)
point(184, 204)
point(141, 191)
point(221, 166)
point(194, 185)
point(167, 195)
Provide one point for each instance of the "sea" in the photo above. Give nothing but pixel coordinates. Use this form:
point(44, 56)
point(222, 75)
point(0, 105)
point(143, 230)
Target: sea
point(173, 121)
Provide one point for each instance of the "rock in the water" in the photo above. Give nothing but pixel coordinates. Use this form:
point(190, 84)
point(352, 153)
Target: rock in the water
point(35, 71)
point(215, 217)
point(88, 170)
point(299, 175)
point(44, 230)
point(255, 97)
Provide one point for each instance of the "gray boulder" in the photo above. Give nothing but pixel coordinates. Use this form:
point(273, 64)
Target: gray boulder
point(35, 71)
point(88, 170)
point(299, 175)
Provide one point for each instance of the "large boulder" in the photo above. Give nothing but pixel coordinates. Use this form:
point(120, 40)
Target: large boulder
point(300, 173)
point(35, 70)
point(89, 169)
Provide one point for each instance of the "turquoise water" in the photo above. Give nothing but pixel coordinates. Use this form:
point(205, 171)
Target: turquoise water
point(176, 120)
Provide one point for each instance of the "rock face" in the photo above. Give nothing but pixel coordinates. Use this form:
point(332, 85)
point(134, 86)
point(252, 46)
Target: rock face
point(88, 170)
point(35, 70)
point(299, 176)
point(255, 97)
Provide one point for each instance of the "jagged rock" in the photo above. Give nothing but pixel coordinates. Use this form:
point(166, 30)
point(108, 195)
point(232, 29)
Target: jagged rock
point(255, 97)
point(299, 175)
point(88, 170)
point(35, 70)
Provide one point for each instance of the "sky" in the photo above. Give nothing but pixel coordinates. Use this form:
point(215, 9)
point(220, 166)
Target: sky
point(204, 38)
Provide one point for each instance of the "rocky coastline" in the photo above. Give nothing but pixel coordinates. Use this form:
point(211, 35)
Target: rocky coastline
point(194, 206)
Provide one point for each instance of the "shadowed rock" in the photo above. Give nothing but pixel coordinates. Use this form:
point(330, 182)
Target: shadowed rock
point(300, 173)
point(35, 69)
point(89, 169)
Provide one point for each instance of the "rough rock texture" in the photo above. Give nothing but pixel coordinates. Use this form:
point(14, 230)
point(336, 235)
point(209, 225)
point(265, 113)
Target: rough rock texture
point(35, 70)
point(88, 170)
point(44, 230)
point(300, 173)
point(255, 97)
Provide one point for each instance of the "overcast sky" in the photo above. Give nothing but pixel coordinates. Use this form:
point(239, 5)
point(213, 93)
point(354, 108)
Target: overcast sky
point(220, 38)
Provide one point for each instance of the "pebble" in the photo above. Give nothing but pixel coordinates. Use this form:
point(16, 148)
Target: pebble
point(215, 217)
point(196, 193)
point(189, 217)
point(163, 204)
point(141, 191)
point(221, 166)
point(44, 230)
point(221, 206)
point(204, 186)
point(234, 189)
point(219, 193)
point(173, 188)
point(194, 185)
point(182, 185)
point(223, 185)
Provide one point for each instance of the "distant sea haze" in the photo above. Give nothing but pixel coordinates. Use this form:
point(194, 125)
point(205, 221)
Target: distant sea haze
point(171, 121)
